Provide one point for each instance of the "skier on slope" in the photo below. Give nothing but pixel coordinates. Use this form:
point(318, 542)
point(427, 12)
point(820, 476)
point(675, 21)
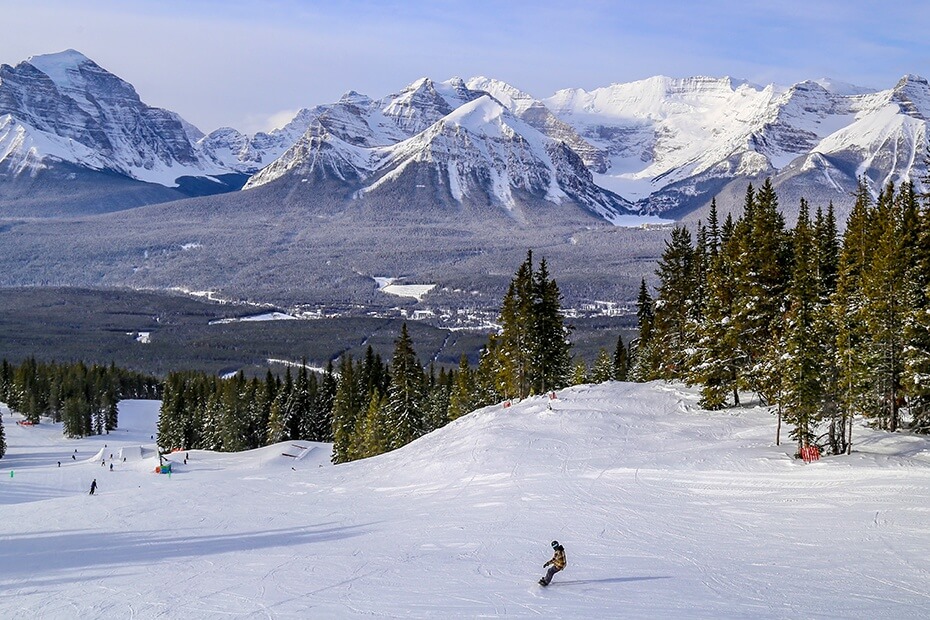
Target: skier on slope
point(556, 564)
point(93, 486)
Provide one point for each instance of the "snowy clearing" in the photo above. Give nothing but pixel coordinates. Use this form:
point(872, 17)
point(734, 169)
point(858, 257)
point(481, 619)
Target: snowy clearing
point(416, 291)
point(265, 316)
point(665, 511)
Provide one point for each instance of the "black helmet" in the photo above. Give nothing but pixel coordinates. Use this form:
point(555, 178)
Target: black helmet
point(555, 544)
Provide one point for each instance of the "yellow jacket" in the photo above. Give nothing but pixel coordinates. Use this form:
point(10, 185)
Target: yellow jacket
point(558, 560)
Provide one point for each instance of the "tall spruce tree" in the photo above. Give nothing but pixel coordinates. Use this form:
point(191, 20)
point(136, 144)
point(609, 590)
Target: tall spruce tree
point(917, 330)
point(848, 307)
point(551, 348)
point(761, 276)
point(643, 364)
point(827, 269)
point(603, 369)
point(801, 359)
point(404, 411)
point(673, 307)
point(885, 301)
point(349, 405)
point(516, 343)
point(715, 360)
point(621, 361)
point(463, 397)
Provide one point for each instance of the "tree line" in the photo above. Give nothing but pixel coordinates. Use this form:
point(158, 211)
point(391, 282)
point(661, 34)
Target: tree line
point(820, 327)
point(84, 398)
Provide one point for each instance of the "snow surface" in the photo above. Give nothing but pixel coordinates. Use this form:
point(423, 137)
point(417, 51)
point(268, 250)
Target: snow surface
point(416, 291)
point(265, 316)
point(665, 511)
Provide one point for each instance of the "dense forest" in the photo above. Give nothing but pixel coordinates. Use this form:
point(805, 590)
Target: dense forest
point(822, 329)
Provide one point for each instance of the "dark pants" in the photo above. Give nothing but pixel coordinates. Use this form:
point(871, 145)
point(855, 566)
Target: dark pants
point(552, 571)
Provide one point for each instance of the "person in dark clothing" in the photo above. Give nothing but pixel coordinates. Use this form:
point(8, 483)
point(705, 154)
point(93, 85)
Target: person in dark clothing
point(556, 564)
point(93, 486)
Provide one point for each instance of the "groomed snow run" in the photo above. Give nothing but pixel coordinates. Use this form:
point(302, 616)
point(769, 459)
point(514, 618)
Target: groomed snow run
point(665, 511)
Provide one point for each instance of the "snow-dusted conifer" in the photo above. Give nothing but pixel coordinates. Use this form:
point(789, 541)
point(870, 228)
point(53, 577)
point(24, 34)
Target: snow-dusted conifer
point(404, 412)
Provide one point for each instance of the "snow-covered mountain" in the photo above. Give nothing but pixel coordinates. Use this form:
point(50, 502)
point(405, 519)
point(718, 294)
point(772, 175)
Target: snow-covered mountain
point(447, 142)
point(673, 143)
point(660, 145)
point(64, 107)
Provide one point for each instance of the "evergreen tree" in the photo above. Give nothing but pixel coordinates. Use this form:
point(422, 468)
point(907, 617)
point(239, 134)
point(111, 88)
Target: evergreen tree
point(462, 398)
point(917, 330)
point(551, 359)
point(642, 353)
point(487, 388)
point(404, 411)
point(761, 276)
point(276, 430)
point(349, 405)
point(884, 296)
point(603, 369)
point(6, 381)
point(438, 400)
point(580, 373)
point(802, 375)
point(620, 361)
point(714, 360)
point(516, 343)
point(848, 306)
point(827, 269)
point(323, 406)
point(373, 430)
point(532, 349)
point(673, 307)
point(299, 404)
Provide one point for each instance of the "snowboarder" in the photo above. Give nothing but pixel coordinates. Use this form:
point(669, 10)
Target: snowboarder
point(111, 466)
point(93, 486)
point(556, 564)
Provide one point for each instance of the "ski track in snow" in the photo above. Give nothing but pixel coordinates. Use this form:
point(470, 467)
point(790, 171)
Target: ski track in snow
point(665, 511)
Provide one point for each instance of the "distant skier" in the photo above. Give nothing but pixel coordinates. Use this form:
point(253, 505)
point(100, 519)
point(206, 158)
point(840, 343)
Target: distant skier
point(111, 466)
point(93, 486)
point(556, 564)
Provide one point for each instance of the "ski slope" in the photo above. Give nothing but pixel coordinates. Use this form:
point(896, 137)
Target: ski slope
point(665, 511)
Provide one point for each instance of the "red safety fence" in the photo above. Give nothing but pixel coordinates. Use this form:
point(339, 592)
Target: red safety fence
point(810, 453)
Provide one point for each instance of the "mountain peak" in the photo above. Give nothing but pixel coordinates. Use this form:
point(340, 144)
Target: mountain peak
point(65, 57)
point(476, 114)
point(57, 66)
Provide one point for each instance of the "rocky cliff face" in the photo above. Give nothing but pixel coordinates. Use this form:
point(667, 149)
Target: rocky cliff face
point(65, 107)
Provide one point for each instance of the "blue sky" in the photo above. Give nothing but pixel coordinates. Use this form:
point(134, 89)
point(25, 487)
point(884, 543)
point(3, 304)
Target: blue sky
point(249, 63)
